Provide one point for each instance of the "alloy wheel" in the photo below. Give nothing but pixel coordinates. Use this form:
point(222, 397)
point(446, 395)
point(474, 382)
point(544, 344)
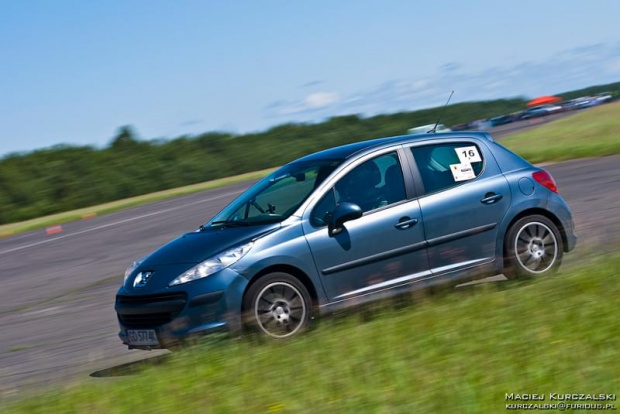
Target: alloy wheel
point(280, 310)
point(536, 247)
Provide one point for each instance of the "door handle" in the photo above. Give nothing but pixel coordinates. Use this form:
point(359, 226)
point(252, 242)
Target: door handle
point(405, 223)
point(490, 198)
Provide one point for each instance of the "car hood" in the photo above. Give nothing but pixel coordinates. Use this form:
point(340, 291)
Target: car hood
point(198, 246)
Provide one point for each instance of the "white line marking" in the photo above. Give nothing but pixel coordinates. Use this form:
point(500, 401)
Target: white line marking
point(46, 310)
point(103, 226)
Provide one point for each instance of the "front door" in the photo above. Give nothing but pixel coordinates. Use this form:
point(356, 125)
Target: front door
point(383, 249)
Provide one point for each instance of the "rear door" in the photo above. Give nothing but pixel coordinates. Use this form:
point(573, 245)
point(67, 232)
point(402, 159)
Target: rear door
point(464, 199)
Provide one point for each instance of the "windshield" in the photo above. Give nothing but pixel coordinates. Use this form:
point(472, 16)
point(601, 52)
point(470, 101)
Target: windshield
point(278, 195)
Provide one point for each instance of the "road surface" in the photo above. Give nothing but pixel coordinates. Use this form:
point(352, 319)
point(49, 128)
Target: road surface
point(56, 308)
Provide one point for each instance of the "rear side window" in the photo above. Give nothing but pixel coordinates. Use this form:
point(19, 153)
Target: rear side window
point(444, 166)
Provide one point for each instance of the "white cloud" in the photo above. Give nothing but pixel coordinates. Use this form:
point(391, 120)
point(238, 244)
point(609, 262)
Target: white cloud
point(570, 69)
point(312, 84)
point(320, 99)
point(315, 102)
point(614, 66)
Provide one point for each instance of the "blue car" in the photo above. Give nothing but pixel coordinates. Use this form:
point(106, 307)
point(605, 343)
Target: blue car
point(345, 226)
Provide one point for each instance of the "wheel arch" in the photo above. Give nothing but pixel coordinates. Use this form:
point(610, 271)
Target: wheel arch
point(531, 212)
point(291, 270)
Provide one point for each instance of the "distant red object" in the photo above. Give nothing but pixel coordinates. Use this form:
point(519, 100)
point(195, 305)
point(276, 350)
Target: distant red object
point(53, 230)
point(543, 100)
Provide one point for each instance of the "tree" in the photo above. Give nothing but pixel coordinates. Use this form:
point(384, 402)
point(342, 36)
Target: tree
point(125, 139)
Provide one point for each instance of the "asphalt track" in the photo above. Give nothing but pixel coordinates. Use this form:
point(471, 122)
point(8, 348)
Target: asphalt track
point(56, 308)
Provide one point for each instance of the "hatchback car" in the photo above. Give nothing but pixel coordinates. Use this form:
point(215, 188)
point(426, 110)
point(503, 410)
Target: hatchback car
point(541, 110)
point(428, 128)
point(345, 226)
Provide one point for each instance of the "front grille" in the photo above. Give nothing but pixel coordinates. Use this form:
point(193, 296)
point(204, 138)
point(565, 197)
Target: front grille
point(149, 311)
point(152, 320)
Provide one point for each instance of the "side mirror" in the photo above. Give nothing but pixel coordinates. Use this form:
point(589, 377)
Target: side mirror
point(344, 212)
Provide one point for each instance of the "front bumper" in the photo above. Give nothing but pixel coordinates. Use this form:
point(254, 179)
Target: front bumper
point(179, 313)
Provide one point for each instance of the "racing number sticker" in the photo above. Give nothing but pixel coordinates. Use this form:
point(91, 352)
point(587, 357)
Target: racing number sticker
point(462, 172)
point(467, 155)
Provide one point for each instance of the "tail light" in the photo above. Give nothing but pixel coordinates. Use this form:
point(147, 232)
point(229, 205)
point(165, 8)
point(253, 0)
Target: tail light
point(545, 179)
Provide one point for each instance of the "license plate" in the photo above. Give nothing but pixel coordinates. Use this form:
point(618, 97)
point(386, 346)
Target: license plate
point(142, 337)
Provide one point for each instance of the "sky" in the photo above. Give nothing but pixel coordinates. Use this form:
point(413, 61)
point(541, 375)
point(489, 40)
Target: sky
point(75, 71)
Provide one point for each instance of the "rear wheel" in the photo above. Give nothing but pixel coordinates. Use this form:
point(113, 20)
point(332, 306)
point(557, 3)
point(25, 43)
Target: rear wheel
point(278, 305)
point(533, 248)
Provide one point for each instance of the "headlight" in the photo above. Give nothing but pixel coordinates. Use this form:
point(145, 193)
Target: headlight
point(215, 264)
point(132, 267)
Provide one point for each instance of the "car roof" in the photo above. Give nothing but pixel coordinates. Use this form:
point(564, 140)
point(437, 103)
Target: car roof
point(347, 151)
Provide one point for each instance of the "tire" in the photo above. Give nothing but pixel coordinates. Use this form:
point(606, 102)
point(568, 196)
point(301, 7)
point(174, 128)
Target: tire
point(278, 305)
point(533, 247)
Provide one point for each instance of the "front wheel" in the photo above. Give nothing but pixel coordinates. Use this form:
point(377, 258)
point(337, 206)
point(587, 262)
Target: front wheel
point(278, 305)
point(533, 247)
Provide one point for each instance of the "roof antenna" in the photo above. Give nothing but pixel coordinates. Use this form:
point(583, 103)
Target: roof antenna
point(432, 131)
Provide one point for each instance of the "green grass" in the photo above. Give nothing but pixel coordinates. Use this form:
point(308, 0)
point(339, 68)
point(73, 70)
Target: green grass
point(41, 222)
point(456, 352)
point(592, 133)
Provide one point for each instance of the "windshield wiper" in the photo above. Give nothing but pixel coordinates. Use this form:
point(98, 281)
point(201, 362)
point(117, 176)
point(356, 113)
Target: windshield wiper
point(232, 223)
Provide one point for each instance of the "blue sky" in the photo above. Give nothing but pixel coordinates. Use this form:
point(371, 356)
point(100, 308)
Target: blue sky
point(74, 71)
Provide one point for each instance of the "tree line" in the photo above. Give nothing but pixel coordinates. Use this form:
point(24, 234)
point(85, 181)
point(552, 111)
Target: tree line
point(66, 177)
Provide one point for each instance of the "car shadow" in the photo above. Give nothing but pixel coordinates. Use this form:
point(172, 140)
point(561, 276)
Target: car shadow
point(130, 368)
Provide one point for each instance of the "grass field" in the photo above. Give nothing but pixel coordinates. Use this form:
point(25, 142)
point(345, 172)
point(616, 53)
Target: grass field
point(454, 352)
point(592, 133)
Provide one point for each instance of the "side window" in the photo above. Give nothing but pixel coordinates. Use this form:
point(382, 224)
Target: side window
point(373, 184)
point(443, 166)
